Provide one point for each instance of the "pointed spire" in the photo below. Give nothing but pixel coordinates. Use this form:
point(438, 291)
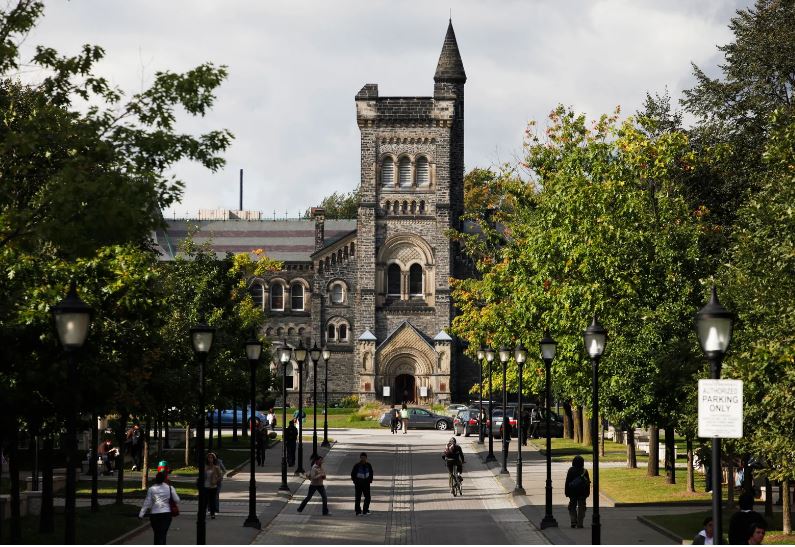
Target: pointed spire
point(450, 67)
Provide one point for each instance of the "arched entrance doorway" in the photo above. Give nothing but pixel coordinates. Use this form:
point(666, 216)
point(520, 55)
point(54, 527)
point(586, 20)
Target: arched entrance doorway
point(405, 387)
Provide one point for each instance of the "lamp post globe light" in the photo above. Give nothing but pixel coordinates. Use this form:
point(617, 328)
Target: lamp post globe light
point(481, 357)
point(548, 349)
point(299, 354)
point(714, 327)
point(253, 352)
point(72, 320)
point(314, 354)
point(202, 339)
point(326, 357)
point(505, 355)
point(520, 355)
point(595, 338)
point(284, 359)
point(490, 456)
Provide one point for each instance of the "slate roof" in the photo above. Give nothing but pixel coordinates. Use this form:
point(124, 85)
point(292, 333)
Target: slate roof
point(288, 240)
point(450, 67)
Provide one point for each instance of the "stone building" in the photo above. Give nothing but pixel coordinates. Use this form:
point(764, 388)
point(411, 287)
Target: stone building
point(374, 290)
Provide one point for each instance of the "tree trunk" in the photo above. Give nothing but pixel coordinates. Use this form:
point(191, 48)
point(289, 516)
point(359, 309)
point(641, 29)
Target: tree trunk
point(15, 526)
point(245, 421)
point(691, 479)
point(670, 456)
point(166, 441)
point(220, 423)
point(576, 413)
point(234, 422)
point(211, 415)
point(786, 508)
point(601, 437)
point(92, 464)
point(121, 435)
point(632, 455)
point(47, 515)
point(619, 437)
point(145, 459)
point(768, 498)
point(653, 469)
point(730, 482)
point(187, 444)
point(587, 440)
point(568, 427)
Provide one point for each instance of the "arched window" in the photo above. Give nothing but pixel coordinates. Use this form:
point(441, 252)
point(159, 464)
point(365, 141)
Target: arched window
point(404, 172)
point(257, 294)
point(337, 294)
point(387, 172)
point(393, 280)
point(331, 334)
point(387, 207)
point(422, 207)
point(297, 297)
point(343, 332)
point(277, 297)
point(423, 172)
point(415, 280)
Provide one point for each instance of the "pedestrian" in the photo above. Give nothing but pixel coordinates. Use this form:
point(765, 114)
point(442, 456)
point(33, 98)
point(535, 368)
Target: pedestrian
point(742, 522)
point(316, 477)
point(259, 443)
point(108, 453)
point(135, 445)
point(404, 418)
point(362, 477)
point(299, 419)
point(507, 433)
point(525, 426)
point(212, 476)
point(220, 464)
point(394, 419)
point(577, 489)
point(158, 502)
point(704, 537)
point(756, 533)
point(272, 420)
point(290, 438)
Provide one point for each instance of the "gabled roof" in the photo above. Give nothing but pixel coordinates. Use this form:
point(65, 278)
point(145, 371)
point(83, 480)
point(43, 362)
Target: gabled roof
point(368, 336)
point(450, 67)
point(407, 325)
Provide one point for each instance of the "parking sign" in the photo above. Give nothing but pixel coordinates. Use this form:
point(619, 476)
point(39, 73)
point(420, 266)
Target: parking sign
point(720, 408)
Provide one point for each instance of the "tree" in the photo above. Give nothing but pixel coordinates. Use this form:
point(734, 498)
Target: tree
point(340, 205)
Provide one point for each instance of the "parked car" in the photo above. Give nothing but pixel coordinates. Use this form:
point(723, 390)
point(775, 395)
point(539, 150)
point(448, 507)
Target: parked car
point(452, 410)
point(227, 417)
point(495, 427)
point(419, 418)
point(466, 422)
point(538, 424)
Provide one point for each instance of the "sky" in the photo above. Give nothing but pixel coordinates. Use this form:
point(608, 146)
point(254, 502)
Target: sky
point(296, 65)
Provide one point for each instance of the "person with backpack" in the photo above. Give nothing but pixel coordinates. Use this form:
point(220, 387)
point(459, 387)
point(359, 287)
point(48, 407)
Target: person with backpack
point(577, 489)
point(394, 419)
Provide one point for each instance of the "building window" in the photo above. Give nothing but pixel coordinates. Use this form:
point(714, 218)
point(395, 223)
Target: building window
point(387, 172)
point(343, 333)
point(337, 294)
point(332, 333)
point(277, 297)
point(393, 280)
point(257, 294)
point(415, 280)
point(297, 297)
point(423, 172)
point(404, 172)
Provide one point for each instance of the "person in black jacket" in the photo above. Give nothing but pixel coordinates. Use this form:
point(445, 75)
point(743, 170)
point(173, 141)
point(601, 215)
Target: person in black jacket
point(290, 438)
point(362, 477)
point(577, 489)
point(743, 521)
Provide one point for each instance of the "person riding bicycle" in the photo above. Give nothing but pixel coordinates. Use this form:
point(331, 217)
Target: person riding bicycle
point(454, 456)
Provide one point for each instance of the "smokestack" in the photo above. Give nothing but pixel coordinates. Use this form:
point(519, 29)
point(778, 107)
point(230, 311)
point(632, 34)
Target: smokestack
point(241, 190)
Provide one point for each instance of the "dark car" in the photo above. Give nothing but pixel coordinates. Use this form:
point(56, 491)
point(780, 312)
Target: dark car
point(419, 418)
point(466, 422)
point(537, 426)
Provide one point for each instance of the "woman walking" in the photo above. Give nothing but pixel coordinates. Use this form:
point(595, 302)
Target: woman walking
point(316, 477)
point(212, 478)
point(158, 502)
point(404, 418)
point(577, 489)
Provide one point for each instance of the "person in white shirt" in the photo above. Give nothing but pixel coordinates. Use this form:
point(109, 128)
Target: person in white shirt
point(158, 502)
point(704, 537)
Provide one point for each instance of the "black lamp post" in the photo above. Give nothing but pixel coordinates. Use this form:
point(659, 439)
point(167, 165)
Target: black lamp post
point(520, 354)
point(326, 357)
point(481, 356)
point(202, 338)
point(595, 338)
point(548, 347)
point(314, 354)
point(505, 355)
point(284, 359)
point(300, 356)
point(490, 456)
point(72, 320)
point(253, 351)
point(714, 327)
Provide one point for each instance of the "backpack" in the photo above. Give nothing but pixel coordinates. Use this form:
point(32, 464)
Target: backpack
point(580, 486)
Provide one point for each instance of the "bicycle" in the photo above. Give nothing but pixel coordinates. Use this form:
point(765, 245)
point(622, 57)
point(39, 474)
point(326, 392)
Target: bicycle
point(454, 482)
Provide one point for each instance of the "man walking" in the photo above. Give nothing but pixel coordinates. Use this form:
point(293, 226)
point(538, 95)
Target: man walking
point(316, 477)
point(290, 438)
point(362, 477)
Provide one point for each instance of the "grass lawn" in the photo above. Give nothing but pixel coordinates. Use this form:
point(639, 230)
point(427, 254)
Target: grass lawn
point(634, 486)
point(564, 449)
point(686, 526)
point(132, 489)
point(91, 528)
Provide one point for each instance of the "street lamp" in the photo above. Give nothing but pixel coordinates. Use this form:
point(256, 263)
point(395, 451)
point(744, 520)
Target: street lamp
point(490, 456)
point(72, 320)
point(595, 338)
point(326, 357)
point(284, 359)
point(714, 327)
point(253, 351)
point(314, 354)
point(300, 356)
point(520, 354)
point(505, 355)
point(548, 348)
point(481, 356)
point(202, 339)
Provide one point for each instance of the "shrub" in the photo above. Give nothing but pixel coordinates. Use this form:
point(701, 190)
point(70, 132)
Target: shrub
point(351, 401)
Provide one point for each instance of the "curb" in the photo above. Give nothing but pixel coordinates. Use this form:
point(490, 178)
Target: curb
point(132, 533)
point(657, 528)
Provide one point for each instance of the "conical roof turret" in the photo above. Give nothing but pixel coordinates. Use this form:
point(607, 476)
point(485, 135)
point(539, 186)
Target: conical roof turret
point(450, 67)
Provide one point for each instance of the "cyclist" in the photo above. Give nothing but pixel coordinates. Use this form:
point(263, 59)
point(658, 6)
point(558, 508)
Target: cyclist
point(454, 457)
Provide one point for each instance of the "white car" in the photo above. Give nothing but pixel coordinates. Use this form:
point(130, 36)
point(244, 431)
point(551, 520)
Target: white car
point(452, 410)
